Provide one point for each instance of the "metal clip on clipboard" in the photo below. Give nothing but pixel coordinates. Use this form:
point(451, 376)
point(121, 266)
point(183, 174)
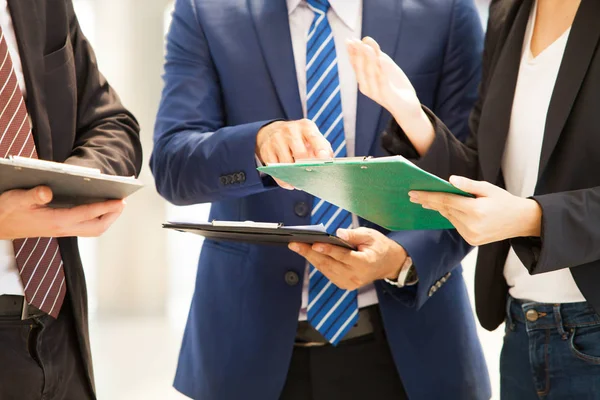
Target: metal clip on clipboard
point(247, 224)
point(329, 160)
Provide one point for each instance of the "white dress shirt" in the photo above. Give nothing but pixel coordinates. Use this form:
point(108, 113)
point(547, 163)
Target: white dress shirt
point(520, 163)
point(345, 18)
point(10, 281)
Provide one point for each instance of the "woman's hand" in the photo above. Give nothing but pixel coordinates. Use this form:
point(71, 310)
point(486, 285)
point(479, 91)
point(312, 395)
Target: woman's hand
point(383, 81)
point(492, 216)
point(377, 257)
point(380, 79)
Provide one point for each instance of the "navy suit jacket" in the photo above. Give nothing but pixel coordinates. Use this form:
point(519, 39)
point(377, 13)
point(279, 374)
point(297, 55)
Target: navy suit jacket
point(229, 71)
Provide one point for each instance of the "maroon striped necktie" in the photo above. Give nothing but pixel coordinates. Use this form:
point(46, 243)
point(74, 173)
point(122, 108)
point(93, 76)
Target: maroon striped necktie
point(38, 259)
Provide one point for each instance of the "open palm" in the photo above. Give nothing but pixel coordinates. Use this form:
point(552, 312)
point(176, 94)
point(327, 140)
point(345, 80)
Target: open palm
point(381, 79)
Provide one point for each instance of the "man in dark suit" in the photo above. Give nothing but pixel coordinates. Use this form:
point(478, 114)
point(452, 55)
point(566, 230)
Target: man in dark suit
point(55, 106)
point(240, 78)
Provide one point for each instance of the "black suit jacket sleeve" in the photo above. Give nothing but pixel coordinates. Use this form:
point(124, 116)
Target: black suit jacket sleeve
point(570, 232)
point(447, 155)
point(107, 134)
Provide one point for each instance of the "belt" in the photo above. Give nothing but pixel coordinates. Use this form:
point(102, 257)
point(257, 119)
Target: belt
point(369, 322)
point(15, 308)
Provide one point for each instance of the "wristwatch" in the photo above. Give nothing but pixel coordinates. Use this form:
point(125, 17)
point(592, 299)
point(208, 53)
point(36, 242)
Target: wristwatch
point(408, 275)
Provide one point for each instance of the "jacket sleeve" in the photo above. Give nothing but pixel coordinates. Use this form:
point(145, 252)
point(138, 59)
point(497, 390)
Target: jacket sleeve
point(107, 134)
point(436, 253)
point(570, 232)
point(197, 158)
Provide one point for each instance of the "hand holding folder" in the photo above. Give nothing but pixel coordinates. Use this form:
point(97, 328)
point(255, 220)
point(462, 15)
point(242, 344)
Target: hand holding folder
point(89, 201)
point(375, 189)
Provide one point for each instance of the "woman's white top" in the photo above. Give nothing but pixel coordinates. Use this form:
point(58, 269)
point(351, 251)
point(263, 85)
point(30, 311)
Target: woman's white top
point(521, 159)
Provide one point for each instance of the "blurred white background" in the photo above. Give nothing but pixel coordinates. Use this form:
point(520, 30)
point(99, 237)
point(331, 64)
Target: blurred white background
point(141, 279)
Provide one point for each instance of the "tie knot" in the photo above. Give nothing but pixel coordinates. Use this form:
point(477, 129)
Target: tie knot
point(319, 6)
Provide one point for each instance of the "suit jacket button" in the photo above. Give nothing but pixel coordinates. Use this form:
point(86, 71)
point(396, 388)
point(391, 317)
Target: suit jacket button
point(291, 278)
point(223, 180)
point(301, 209)
point(438, 284)
point(241, 177)
point(432, 291)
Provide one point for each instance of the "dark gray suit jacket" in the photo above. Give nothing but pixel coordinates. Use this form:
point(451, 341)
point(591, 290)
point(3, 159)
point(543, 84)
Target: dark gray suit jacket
point(77, 117)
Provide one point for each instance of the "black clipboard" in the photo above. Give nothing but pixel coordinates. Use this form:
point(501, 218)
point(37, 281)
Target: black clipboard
point(259, 233)
point(71, 185)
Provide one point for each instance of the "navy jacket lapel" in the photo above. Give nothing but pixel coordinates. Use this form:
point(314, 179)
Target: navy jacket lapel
point(580, 50)
point(381, 21)
point(272, 26)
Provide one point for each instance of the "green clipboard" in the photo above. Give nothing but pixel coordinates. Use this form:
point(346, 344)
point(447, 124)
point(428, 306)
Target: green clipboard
point(375, 189)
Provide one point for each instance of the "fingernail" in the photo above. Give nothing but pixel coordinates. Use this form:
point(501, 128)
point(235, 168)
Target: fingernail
point(43, 195)
point(318, 248)
point(456, 180)
point(342, 234)
point(413, 196)
point(294, 247)
point(323, 154)
point(426, 207)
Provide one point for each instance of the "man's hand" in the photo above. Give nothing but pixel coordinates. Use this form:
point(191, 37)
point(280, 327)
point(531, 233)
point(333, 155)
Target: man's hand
point(377, 257)
point(24, 214)
point(286, 142)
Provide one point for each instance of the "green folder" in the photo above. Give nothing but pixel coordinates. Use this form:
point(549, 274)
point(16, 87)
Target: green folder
point(375, 189)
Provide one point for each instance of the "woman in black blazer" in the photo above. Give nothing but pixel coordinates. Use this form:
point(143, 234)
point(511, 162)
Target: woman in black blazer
point(533, 163)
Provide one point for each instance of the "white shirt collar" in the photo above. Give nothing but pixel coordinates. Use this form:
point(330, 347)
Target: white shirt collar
point(347, 10)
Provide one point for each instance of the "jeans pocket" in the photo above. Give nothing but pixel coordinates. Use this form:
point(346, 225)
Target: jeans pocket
point(585, 343)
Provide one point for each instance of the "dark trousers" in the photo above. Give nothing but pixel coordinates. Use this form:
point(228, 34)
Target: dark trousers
point(40, 359)
point(552, 355)
point(360, 369)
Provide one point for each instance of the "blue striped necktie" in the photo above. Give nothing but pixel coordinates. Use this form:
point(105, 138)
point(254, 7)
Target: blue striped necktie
point(331, 310)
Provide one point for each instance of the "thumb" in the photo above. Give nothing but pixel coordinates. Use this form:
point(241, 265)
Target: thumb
point(38, 196)
point(356, 237)
point(478, 188)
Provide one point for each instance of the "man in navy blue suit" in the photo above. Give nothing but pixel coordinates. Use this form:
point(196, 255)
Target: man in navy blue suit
point(263, 81)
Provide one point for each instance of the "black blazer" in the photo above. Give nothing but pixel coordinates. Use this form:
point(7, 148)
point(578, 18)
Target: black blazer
point(568, 186)
point(77, 118)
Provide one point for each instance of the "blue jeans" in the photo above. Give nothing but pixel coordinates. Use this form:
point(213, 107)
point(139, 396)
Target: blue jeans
point(551, 352)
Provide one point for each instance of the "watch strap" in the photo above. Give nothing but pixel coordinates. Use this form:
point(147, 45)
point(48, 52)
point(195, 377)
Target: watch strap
point(407, 267)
